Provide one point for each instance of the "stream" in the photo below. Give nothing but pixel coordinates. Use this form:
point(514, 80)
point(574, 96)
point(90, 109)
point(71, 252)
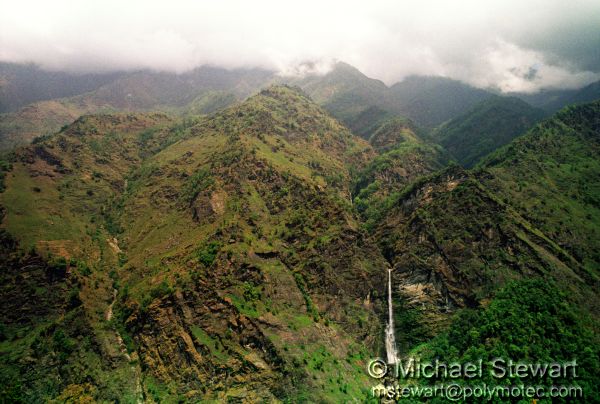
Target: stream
point(123, 350)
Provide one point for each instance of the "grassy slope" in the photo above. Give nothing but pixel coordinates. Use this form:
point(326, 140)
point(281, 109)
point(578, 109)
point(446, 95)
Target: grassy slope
point(503, 244)
point(55, 202)
point(404, 157)
point(488, 126)
point(262, 231)
point(243, 224)
point(551, 176)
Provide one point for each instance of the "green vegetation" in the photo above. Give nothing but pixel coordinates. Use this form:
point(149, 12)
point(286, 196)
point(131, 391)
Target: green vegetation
point(393, 132)
point(215, 347)
point(393, 173)
point(532, 321)
point(310, 307)
point(431, 101)
point(550, 175)
point(241, 256)
point(207, 254)
point(486, 127)
point(196, 183)
point(5, 167)
point(348, 95)
point(263, 186)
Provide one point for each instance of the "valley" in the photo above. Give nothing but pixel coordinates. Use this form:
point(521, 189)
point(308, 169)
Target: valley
point(247, 241)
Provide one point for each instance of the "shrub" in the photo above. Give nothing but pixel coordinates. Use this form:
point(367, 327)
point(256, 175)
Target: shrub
point(208, 253)
point(196, 183)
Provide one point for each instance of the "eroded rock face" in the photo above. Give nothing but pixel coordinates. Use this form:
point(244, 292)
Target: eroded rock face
point(451, 243)
point(199, 340)
point(22, 279)
point(248, 271)
point(233, 327)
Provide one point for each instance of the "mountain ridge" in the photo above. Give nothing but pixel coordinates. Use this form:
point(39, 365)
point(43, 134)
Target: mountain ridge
point(243, 254)
point(484, 128)
point(358, 101)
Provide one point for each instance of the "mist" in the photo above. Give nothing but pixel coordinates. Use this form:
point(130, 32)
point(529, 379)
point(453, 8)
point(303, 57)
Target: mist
point(506, 45)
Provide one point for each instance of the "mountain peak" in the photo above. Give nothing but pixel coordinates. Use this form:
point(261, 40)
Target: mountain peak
point(283, 92)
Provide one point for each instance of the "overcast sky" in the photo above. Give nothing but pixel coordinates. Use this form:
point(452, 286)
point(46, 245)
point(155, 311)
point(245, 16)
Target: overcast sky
point(513, 45)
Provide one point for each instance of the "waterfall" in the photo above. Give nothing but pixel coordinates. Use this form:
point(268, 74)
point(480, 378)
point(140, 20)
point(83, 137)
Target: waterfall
point(390, 339)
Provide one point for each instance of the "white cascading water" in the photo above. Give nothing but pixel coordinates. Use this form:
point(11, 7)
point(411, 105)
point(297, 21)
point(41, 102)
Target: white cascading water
point(390, 339)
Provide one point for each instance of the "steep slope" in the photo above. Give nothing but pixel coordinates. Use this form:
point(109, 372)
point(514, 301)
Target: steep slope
point(553, 100)
point(392, 132)
point(404, 157)
point(509, 247)
point(486, 127)
point(241, 270)
point(202, 90)
point(453, 243)
point(363, 104)
point(531, 318)
point(586, 94)
point(347, 94)
point(430, 101)
point(46, 336)
point(223, 258)
point(57, 254)
point(551, 175)
point(22, 84)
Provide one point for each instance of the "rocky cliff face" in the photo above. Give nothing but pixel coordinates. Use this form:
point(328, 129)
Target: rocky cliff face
point(452, 243)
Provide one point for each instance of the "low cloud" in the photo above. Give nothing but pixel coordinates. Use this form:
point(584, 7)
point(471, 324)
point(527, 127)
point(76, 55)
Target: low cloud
point(510, 45)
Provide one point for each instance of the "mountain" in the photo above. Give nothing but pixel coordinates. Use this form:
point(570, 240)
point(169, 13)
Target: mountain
point(146, 89)
point(553, 100)
point(430, 101)
point(551, 176)
point(509, 247)
point(392, 132)
point(230, 243)
point(243, 255)
point(452, 242)
point(544, 97)
point(37, 102)
point(345, 92)
point(484, 128)
point(348, 95)
point(22, 84)
point(361, 103)
point(404, 157)
point(586, 94)
point(203, 90)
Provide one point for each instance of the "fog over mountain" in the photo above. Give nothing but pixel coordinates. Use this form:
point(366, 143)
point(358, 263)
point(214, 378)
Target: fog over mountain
point(506, 45)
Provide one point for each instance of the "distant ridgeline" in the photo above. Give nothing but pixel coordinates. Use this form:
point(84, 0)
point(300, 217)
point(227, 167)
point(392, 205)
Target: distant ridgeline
point(34, 102)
